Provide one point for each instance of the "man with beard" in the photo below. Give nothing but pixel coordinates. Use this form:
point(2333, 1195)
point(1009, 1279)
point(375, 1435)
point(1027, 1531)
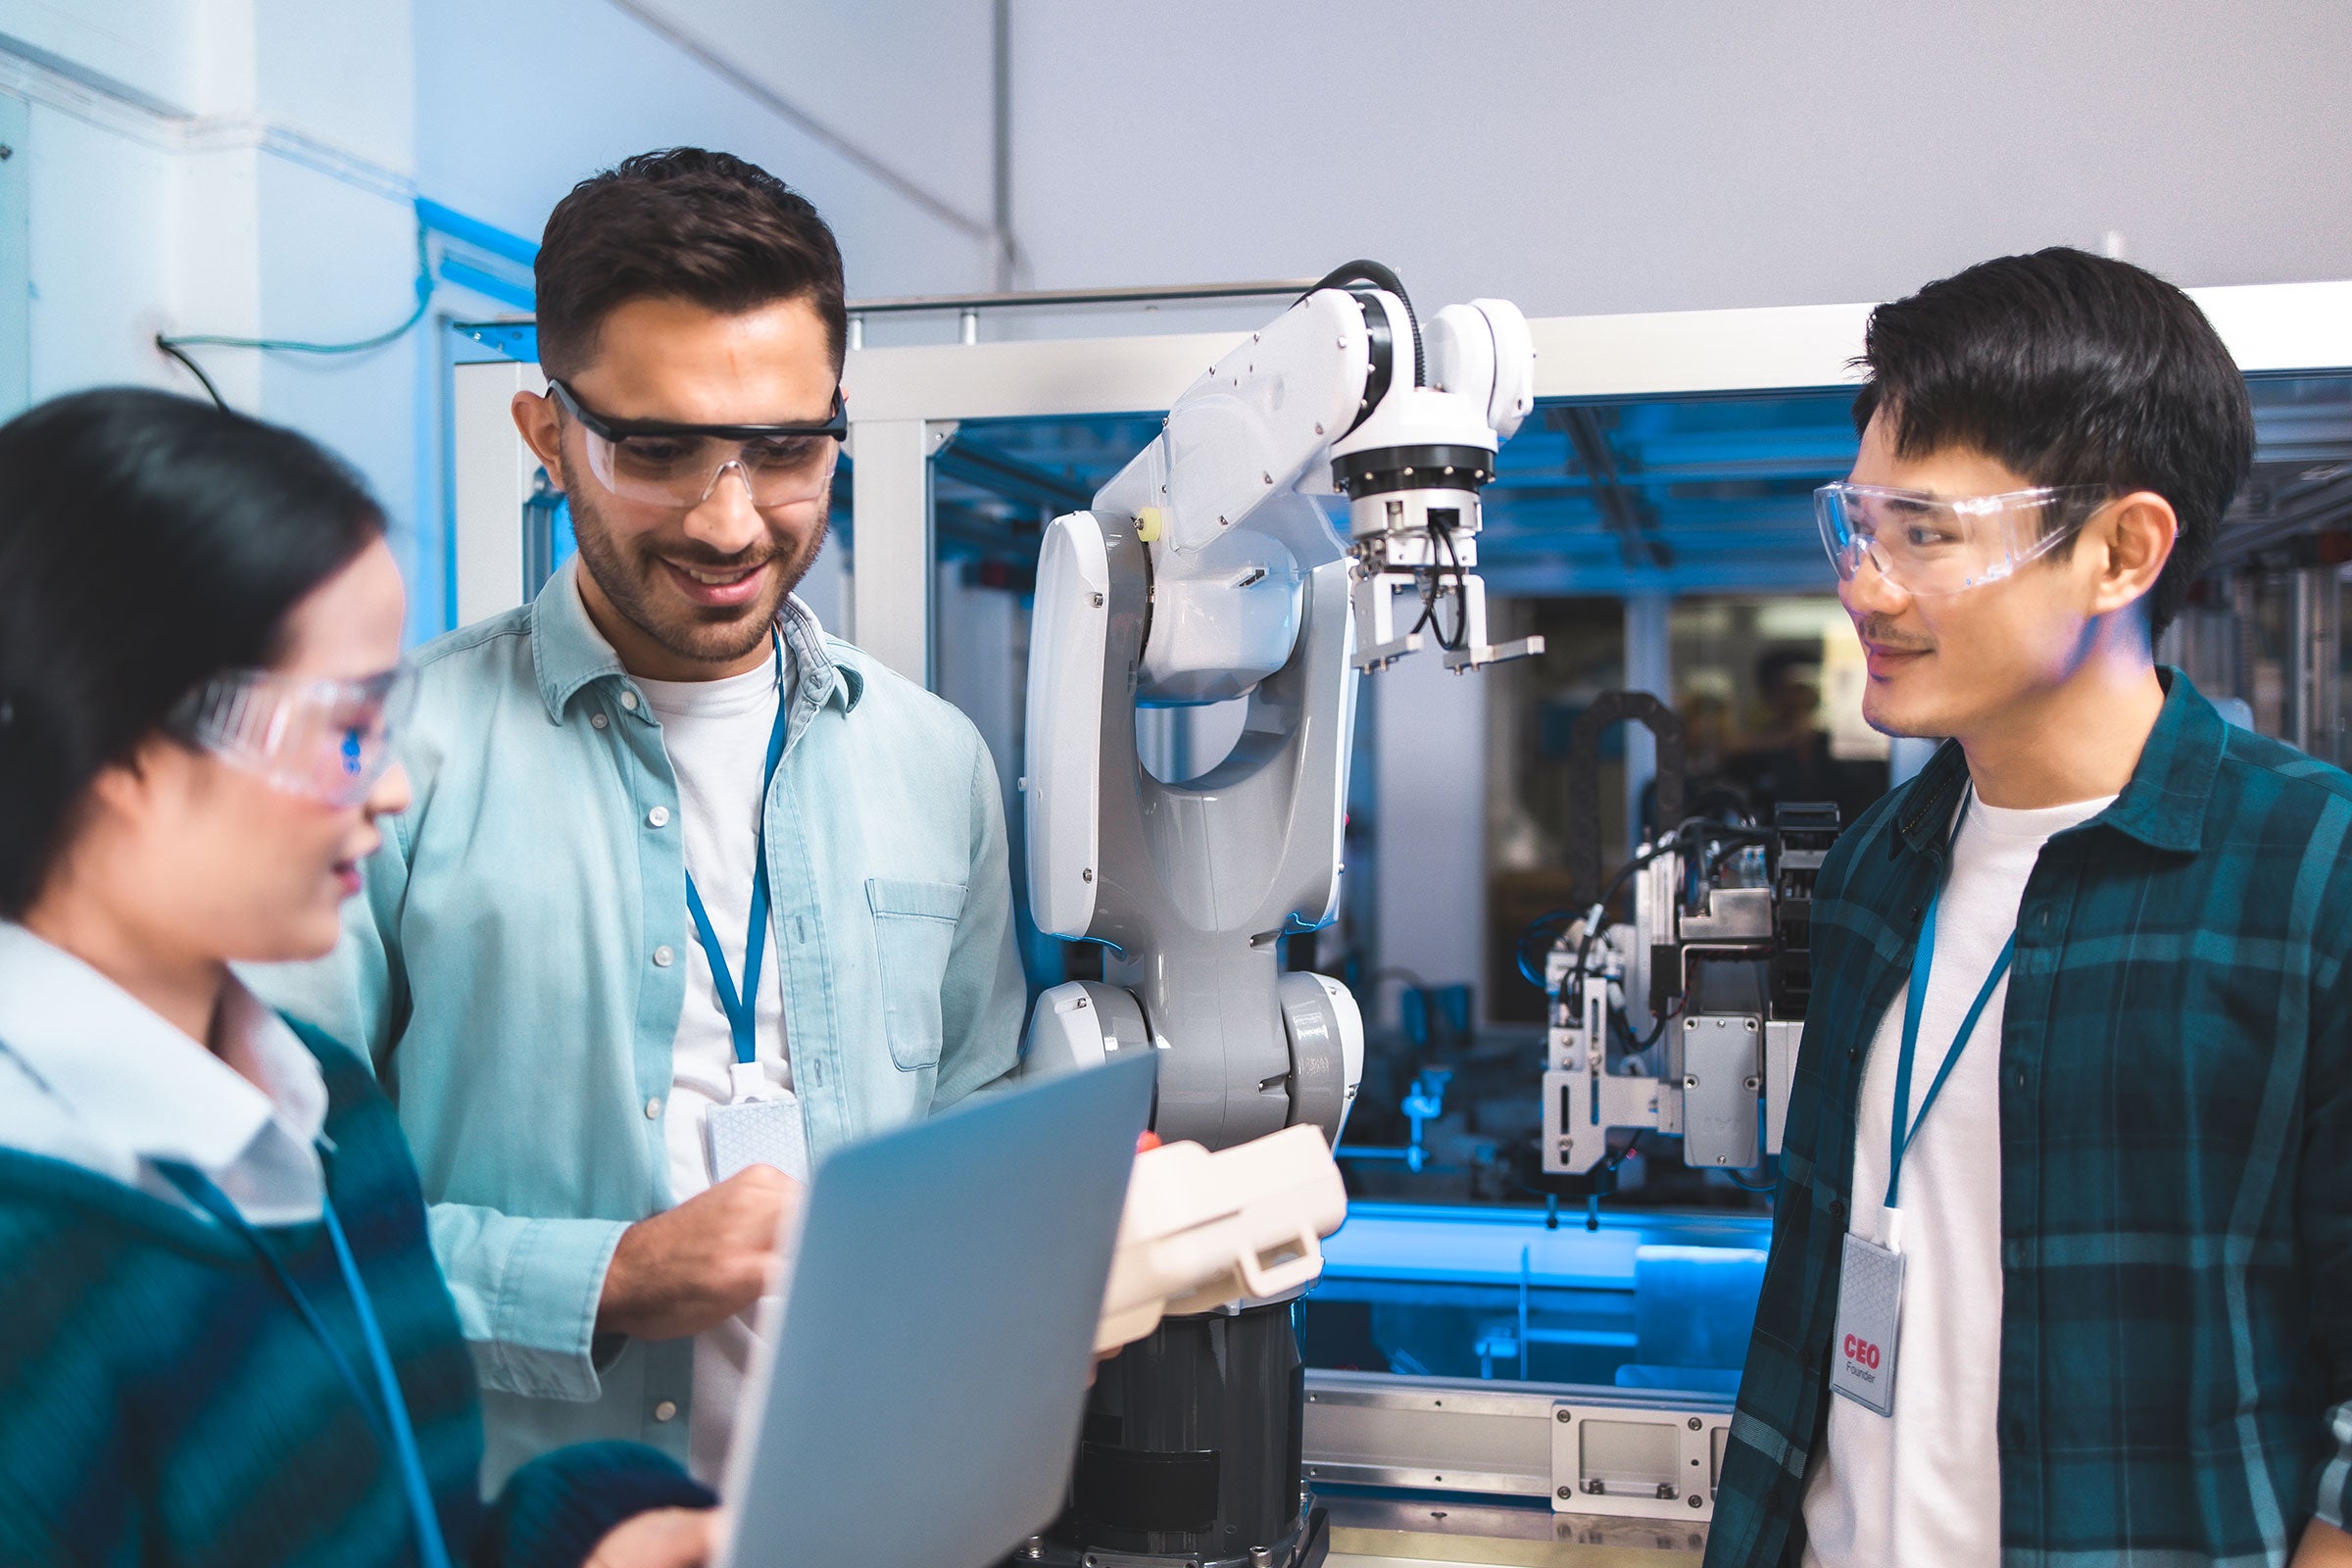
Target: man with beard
point(690, 892)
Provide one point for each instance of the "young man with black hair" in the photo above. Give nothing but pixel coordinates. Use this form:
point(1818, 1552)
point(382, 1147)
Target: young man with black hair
point(2062, 1256)
point(691, 892)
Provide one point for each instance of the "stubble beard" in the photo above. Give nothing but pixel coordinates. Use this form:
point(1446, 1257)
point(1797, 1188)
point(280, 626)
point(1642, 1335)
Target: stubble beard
point(626, 576)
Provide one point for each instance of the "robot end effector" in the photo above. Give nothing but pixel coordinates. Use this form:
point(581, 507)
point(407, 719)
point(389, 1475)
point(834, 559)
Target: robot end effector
point(1412, 467)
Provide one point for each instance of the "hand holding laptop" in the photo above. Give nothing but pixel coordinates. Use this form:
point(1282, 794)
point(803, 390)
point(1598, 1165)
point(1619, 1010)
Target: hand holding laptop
point(667, 1538)
point(702, 1262)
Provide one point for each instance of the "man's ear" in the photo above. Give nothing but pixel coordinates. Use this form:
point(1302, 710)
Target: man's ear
point(2130, 542)
point(542, 431)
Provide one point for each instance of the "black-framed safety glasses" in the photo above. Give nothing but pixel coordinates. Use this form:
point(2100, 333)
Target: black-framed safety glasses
point(668, 464)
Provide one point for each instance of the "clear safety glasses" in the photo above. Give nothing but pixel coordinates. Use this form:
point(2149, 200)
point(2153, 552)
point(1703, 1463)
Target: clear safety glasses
point(666, 464)
point(328, 740)
point(1928, 545)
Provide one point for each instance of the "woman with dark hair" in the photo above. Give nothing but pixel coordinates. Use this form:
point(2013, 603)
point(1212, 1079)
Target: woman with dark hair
point(226, 1340)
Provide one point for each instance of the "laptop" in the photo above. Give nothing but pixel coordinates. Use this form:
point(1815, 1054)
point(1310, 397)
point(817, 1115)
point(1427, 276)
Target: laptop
point(920, 1402)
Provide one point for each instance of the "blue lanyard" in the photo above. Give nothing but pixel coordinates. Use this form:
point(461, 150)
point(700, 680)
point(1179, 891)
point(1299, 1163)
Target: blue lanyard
point(431, 1550)
point(1923, 961)
point(743, 1005)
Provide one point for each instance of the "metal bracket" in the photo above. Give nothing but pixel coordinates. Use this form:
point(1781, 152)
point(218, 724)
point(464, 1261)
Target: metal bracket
point(1642, 1463)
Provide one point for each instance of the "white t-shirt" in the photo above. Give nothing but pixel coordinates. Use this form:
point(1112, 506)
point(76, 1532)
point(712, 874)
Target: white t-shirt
point(1923, 1487)
point(716, 733)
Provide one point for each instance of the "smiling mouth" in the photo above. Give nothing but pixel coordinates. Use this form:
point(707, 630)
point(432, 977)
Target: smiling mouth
point(716, 579)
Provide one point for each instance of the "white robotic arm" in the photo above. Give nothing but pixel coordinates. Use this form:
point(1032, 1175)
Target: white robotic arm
point(1209, 569)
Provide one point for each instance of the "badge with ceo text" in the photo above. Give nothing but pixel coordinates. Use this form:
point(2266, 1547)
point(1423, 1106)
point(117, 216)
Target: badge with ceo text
point(1870, 1317)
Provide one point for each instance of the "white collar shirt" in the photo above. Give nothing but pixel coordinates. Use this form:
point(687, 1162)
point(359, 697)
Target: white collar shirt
point(91, 1076)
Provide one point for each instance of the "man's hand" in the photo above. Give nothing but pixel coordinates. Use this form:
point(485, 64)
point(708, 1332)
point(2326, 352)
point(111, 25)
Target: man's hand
point(2324, 1547)
point(665, 1537)
point(703, 1261)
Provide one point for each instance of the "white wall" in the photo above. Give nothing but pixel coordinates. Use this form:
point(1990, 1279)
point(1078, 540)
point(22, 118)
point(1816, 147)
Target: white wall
point(1594, 156)
point(518, 100)
point(246, 168)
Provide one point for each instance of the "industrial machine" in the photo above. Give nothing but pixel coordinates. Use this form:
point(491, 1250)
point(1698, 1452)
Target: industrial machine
point(1684, 1019)
point(1208, 571)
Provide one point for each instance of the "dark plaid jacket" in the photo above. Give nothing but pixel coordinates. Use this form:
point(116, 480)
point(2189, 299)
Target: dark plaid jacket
point(161, 1403)
point(2175, 1352)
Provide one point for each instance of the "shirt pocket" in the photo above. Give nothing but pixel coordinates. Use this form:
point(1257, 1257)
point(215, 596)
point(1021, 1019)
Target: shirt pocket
point(915, 933)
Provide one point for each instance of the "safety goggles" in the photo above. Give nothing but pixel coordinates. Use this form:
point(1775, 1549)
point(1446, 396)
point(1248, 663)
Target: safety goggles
point(1928, 545)
point(328, 740)
point(667, 464)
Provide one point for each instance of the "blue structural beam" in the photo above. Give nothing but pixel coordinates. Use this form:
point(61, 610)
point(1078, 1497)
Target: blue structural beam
point(476, 233)
point(456, 269)
point(489, 244)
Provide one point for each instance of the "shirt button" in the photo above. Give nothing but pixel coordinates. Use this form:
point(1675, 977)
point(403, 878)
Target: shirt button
point(597, 720)
point(658, 816)
point(667, 1411)
point(628, 700)
point(653, 1108)
point(662, 956)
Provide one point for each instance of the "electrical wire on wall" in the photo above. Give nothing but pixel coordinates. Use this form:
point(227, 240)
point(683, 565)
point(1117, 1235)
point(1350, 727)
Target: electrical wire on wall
point(177, 346)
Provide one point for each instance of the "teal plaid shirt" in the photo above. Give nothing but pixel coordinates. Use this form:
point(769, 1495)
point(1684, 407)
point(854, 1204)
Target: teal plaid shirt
point(2175, 1352)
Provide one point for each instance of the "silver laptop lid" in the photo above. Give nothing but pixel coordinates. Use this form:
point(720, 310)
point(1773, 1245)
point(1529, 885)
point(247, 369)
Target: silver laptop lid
point(921, 1402)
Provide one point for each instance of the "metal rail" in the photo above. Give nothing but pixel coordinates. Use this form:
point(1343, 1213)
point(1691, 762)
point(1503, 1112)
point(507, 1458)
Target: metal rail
point(1589, 1451)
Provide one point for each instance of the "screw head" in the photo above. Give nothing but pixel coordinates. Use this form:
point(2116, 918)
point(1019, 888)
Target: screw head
point(1563, 1415)
point(1565, 1494)
point(1695, 1499)
point(1695, 1423)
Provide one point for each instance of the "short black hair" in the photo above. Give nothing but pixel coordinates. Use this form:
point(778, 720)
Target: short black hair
point(148, 543)
point(681, 223)
point(2071, 370)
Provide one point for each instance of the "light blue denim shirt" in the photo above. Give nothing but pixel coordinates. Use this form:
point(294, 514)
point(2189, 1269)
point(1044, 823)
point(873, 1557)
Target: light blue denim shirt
point(515, 970)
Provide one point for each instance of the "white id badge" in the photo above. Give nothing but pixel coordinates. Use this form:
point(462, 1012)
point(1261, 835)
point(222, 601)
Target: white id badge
point(759, 1132)
point(1869, 1316)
